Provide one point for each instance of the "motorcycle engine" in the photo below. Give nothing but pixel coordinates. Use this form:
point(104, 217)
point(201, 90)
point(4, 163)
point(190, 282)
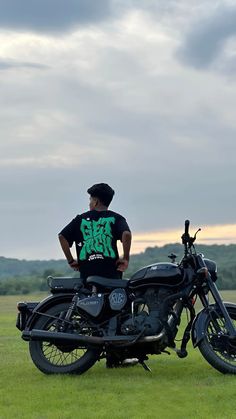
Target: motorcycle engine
point(149, 315)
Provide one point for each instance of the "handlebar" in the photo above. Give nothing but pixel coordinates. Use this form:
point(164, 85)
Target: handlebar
point(186, 230)
point(186, 239)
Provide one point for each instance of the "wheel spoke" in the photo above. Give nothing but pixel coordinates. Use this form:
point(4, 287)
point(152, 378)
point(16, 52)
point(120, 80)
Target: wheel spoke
point(61, 355)
point(217, 339)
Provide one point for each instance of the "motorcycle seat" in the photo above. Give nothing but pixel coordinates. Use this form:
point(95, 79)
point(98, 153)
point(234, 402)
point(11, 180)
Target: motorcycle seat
point(108, 283)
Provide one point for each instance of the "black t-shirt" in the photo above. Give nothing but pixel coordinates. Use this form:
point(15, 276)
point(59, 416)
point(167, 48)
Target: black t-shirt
point(95, 234)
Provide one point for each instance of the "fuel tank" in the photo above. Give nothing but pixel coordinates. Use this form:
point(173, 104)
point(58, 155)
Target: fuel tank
point(165, 274)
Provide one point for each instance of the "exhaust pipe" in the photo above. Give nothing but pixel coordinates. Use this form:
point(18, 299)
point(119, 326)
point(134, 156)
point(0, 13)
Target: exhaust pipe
point(65, 338)
point(58, 337)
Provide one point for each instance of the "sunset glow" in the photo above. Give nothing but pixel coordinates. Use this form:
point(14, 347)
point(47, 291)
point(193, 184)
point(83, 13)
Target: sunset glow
point(217, 234)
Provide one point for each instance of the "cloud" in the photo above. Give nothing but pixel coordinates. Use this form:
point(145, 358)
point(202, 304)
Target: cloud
point(51, 15)
point(112, 105)
point(209, 234)
point(206, 39)
point(11, 64)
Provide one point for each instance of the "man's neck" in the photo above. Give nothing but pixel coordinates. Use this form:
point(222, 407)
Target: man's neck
point(101, 208)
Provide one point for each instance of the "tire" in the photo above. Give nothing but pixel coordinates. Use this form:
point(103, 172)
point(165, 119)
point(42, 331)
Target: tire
point(219, 352)
point(59, 359)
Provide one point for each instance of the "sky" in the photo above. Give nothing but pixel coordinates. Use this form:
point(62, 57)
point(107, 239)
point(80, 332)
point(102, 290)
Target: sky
point(140, 94)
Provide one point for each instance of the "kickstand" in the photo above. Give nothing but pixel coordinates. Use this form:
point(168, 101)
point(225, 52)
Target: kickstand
point(145, 366)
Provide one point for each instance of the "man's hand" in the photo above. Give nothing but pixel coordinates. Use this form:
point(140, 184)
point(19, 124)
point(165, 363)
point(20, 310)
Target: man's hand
point(74, 265)
point(66, 249)
point(122, 264)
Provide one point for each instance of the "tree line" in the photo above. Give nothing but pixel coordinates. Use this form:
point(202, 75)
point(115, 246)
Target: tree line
point(24, 277)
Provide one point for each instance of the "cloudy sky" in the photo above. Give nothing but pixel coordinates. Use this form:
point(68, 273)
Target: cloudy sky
point(140, 94)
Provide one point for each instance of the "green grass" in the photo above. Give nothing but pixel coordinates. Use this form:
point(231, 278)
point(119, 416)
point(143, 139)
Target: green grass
point(176, 388)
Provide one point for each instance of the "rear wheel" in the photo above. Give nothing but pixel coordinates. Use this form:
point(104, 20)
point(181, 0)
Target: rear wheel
point(216, 347)
point(53, 358)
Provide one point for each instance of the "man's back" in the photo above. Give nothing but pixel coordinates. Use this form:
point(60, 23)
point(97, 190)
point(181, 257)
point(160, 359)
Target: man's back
point(95, 234)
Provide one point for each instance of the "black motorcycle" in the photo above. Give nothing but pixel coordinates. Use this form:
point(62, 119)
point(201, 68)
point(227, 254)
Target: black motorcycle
point(82, 322)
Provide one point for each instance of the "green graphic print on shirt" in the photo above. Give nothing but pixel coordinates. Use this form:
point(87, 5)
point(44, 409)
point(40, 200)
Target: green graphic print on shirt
point(97, 236)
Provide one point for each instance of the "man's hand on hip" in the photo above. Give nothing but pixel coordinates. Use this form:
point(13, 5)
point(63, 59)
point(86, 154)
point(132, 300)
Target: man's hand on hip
point(122, 264)
point(74, 265)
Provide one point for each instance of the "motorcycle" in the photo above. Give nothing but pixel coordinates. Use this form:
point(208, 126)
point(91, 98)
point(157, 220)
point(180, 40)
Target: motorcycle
point(83, 321)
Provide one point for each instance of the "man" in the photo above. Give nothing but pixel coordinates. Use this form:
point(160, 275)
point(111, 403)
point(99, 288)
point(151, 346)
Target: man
point(95, 234)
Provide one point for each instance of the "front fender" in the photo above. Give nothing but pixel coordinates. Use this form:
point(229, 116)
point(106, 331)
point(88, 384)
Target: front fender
point(198, 326)
point(45, 304)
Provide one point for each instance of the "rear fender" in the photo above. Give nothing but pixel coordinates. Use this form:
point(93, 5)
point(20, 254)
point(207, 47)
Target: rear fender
point(45, 304)
point(198, 326)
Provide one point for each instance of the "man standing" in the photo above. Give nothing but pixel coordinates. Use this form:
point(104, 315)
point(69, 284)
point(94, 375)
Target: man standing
point(95, 234)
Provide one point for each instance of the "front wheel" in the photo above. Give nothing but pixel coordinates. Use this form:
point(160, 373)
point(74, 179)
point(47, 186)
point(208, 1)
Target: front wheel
point(216, 347)
point(53, 358)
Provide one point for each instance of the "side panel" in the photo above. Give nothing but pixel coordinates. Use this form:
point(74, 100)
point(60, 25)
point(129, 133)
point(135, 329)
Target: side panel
point(197, 333)
point(45, 304)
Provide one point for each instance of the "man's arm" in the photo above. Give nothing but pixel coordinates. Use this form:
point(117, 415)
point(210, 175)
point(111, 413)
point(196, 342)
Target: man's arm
point(66, 250)
point(123, 263)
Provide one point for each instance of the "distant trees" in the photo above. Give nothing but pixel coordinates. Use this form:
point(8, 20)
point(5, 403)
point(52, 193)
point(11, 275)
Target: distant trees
point(24, 277)
point(26, 284)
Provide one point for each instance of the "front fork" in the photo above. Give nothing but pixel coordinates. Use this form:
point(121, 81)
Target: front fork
point(220, 304)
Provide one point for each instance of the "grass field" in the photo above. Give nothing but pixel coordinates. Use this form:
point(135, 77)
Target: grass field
point(176, 388)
